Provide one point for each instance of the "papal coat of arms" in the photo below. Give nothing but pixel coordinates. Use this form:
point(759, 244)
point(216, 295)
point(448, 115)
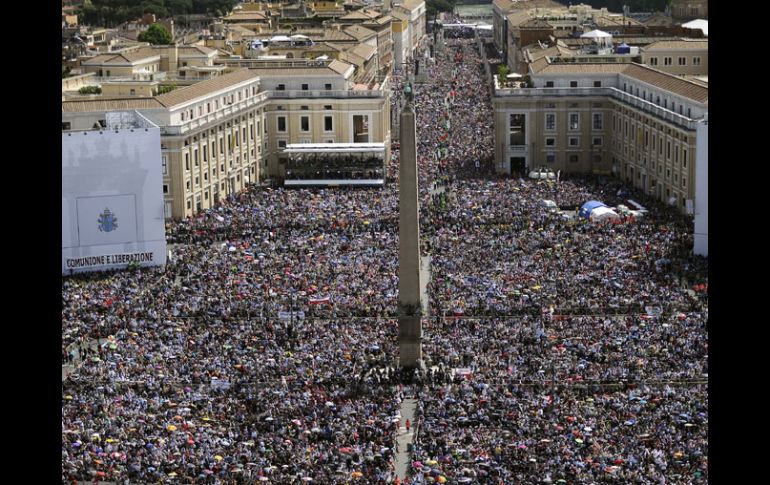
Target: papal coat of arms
point(107, 221)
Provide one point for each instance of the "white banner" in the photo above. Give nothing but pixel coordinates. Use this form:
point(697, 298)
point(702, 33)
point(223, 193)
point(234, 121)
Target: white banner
point(112, 200)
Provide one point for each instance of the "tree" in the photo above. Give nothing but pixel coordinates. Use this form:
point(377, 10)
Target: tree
point(156, 35)
point(502, 71)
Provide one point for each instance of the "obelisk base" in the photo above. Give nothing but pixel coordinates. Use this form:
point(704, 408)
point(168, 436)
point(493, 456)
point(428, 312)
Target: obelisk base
point(409, 341)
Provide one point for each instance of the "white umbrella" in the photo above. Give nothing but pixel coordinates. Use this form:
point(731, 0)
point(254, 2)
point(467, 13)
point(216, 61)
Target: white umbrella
point(514, 75)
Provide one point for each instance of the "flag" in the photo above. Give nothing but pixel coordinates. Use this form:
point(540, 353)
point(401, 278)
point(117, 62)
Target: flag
point(319, 301)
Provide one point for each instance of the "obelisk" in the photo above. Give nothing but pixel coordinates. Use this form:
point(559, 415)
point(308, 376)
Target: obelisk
point(409, 304)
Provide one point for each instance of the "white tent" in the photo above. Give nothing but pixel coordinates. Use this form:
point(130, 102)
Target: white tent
point(514, 75)
point(603, 214)
point(698, 24)
point(595, 34)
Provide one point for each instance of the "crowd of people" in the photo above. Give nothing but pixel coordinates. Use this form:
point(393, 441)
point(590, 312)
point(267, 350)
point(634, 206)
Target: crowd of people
point(560, 350)
point(557, 350)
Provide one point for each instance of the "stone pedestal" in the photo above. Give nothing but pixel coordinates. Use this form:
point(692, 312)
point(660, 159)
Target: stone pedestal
point(409, 341)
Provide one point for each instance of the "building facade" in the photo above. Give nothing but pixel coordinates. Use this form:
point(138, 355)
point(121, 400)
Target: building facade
point(221, 134)
point(685, 57)
point(628, 119)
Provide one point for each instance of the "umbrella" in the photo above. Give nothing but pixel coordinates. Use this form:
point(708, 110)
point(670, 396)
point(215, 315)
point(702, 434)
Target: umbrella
point(514, 75)
point(218, 458)
point(441, 479)
point(171, 427)
point(356, 474)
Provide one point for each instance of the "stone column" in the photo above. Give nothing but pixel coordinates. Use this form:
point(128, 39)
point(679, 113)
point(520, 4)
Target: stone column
point(409, 304)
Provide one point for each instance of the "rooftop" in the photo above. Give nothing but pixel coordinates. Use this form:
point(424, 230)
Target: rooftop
point(695, 44)
point(203, 88)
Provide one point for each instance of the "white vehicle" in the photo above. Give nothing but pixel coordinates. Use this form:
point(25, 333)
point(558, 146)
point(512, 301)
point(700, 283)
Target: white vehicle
point(549, 204)
point(542, 173)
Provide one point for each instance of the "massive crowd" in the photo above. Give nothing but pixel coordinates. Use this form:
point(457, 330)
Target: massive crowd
point(558, 350)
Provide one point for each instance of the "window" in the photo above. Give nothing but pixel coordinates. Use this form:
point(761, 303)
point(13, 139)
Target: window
point(328, 125)
point(597, 84)
point(132, 92)
point(517, 130)
point(304, 87)
point(327, 107)
point(187, 184)
point(574, 158)
point(165, 188)
point(668, 150)
point(304, 123)
point(598, 121)
point(666, 61)
point(684, 158)
point(684, 182)
point(682, 61)
point(574, 121)
point(574, 141)
point(304, 108)
point(164, 164)
point(66, 125)
point(187, 161)
point(550, 105)
point(328, 87)
point(189, 204)
point(549, 84)
point(653, 61)
point(696, 61)
point(597, 141)
point(282, 124)
point(550, 121)
point(167, 210)
point(281, 143)
point(280, 87)
point(573, 84)
point(550, 158)
point(550, 142)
